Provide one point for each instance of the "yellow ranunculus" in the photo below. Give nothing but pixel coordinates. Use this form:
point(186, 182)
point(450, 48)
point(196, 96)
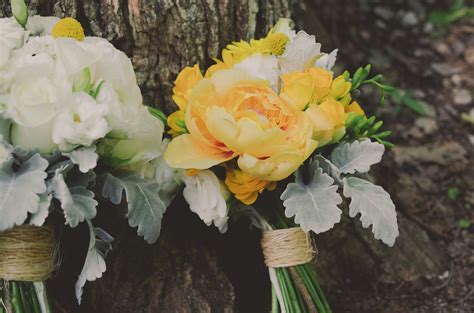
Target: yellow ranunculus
point(245, 187)
point(184, 83)
point(328, 120)
point(303, 88)
point(231, 116)
point(355, 107)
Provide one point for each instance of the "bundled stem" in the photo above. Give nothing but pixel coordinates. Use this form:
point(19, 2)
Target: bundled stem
point(23, 297)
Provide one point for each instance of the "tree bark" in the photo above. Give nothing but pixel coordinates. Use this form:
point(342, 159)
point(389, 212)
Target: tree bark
point(193, 268)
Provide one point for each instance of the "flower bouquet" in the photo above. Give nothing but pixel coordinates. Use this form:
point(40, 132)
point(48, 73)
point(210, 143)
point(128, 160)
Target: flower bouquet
point(71, 120)
point(270, 132)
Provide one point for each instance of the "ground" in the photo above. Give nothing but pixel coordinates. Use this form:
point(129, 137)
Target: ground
point(430, 172)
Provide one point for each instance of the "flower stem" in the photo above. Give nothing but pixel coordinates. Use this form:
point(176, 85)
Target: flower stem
point(275, 304)
point(284, 290)
point(312, 274)
point(16, 298)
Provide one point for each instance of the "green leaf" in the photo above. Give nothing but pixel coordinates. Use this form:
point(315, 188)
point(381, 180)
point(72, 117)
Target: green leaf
point(94, 265)
point(145, 208)
point(20, 190)
point(20, 12)
point(453, 193)
point(375, 206)
point(314, 205)
point(357, 156)
point(464, 223)
point(84, 82)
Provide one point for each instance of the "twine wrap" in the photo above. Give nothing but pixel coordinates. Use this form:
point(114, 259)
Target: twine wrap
point(27, 253)
point(287, 247)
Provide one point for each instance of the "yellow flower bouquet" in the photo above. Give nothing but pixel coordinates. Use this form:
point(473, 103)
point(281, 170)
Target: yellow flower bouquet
point(270, 132)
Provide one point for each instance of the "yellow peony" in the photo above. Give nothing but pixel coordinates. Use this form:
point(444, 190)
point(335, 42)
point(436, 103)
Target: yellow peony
point(245, 187)
point(328, 120)
point(231, 116)
point(303, 88)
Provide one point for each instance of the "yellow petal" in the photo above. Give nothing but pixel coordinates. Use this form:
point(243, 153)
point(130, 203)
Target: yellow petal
point(298, 88)
point(184, 152)
point(275, 168)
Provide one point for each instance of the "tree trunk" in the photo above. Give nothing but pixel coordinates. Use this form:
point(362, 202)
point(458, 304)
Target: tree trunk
point(193, 268)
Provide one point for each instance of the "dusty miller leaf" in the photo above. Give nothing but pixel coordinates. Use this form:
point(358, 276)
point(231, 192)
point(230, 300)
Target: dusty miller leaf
point(77, 202)
point(20, 190)
point(145, 208)
point(314, 205)
point(375, 206)
point(94, 266)
point(40, 216)
point(85, 157)
point(357, 156)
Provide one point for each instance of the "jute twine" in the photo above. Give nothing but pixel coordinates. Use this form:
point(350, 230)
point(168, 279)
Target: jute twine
point(27, 253)
point(287, 247)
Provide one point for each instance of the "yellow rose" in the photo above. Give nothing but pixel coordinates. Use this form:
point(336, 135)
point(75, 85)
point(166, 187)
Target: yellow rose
point(303, 88)
point(184, 83)
point(328, 120)
point(245, 187)
point(231, 116)
point(355, 107)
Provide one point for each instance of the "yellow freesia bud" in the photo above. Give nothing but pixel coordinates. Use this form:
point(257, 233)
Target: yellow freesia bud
point(184, 83)
point(68, 27)
point(340, 87)
point(176, 123)
point(245, 187)
point(355, 107)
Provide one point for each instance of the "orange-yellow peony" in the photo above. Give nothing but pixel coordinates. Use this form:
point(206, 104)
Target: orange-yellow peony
point(231, 116)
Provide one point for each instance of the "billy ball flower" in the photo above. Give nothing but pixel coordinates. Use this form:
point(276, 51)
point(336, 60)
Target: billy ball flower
point(70, 28)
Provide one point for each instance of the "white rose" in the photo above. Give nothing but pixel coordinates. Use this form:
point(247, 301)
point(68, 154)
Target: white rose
point(35, 101)
point(82, 124)
point(116, 68)
point(11, 37)
point(139, 140)
point(34, 138)
point(300, 53)
point(261, 67)
point(203, 194)
point(74, 56)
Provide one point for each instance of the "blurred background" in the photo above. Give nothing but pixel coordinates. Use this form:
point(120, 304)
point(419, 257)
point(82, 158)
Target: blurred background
point(423, 48)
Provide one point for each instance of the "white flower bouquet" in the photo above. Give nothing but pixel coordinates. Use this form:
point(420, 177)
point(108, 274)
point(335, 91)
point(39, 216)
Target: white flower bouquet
point(71, 115)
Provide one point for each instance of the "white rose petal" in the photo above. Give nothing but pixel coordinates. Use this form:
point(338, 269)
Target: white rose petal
point(203, 194)
point(11, 37)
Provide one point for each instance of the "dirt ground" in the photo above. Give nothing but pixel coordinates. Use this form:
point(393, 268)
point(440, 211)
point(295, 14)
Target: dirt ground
point(430, 172)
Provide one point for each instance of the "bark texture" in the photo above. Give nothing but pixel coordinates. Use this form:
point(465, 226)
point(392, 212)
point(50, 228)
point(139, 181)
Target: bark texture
point(192, 268)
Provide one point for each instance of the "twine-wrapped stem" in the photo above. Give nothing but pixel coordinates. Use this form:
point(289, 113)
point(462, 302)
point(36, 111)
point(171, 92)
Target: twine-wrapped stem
point(287, 247)
point(27, 253)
